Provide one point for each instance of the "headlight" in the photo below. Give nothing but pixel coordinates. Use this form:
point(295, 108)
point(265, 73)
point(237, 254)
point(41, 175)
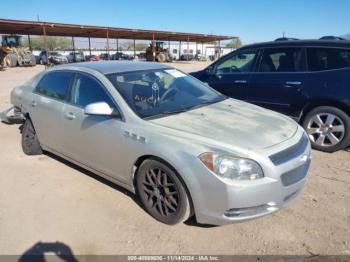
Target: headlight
point(232, 167)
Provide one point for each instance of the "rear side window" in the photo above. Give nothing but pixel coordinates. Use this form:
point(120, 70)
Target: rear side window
point(281, 60)
point(54, 85)
point(328, 58)
point(87, 90)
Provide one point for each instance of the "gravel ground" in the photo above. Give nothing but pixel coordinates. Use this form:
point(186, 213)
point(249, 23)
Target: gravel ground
point(44, 199)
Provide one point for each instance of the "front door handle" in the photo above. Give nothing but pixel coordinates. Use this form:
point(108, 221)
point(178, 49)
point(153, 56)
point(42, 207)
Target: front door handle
point(240, 81)
point(293, 83)
point(69, 116)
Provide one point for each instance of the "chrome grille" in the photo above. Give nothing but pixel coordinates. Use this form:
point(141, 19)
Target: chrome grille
point(295, 174)
point(291, 152)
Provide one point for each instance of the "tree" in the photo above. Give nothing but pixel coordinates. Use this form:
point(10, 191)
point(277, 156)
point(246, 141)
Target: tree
point(235, 43)
point(53, 43)
point(141, 46)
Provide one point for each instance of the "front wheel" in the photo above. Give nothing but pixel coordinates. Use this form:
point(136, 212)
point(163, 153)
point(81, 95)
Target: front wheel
point(328, 128)
point(30, 141)
point(162, 193)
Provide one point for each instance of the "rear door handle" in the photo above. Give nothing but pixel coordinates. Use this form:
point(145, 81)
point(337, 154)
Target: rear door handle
point(293, 83)
point(240, 81)
point(69, 116)
point(33, 104)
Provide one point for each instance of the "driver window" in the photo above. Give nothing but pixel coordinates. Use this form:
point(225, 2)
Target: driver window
point(86, 90)
point(241, 62)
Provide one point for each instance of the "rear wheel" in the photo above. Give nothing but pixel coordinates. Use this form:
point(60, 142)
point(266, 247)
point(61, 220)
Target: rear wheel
point(328, 128)
point(32, 60)
point(162, 193)
point(30, 141)
point(161, 58)
point(11, 60)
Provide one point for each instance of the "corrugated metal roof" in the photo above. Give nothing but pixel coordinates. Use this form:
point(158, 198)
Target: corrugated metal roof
point(8, 26)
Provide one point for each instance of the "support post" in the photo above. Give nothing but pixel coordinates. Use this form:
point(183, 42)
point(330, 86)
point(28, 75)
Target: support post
point(153, 48)
point(179, 50)
point(202, 48)
point(117, 45)
point(90, 46)
point(74, 59)
point(188, 46)
point(107, 35)
point(29, 43)
point(45, 41)
point(219, 49)
point(196, 49)
point(134, 49)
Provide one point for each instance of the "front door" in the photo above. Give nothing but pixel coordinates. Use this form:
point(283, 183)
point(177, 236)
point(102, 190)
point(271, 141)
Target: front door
point(231, 76)
point(95, 141)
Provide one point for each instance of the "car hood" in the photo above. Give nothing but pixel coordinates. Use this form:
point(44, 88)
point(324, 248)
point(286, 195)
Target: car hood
point(235, 123)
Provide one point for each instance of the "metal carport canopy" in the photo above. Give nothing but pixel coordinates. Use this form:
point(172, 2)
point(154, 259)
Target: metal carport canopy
point(21, 27)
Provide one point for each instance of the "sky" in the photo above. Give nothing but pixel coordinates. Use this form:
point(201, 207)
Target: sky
point(251, 20)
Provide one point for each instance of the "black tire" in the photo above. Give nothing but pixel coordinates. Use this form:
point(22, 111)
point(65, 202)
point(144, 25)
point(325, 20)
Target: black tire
point(162, 193)
point(30, 141)
point(330, 125)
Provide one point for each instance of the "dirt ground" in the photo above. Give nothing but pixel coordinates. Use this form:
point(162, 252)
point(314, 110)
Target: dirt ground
point(46, 200)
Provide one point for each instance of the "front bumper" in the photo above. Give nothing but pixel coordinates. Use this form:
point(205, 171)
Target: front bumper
point(12, 115)
point(217, 202)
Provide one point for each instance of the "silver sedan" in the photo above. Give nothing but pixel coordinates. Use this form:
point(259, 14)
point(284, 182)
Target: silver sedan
point(184, 148)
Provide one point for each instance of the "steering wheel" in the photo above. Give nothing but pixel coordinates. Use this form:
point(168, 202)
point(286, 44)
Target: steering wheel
point(169, 93)
point(234, 68)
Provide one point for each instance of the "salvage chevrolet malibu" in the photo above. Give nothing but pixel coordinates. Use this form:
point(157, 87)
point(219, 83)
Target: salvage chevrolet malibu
point(184, 148)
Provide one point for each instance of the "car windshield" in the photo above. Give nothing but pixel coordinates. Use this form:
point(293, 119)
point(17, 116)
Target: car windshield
point(162, 92)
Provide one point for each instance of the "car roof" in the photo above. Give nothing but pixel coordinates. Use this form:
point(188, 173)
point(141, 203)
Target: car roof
point(296, 43)
point(110, 67)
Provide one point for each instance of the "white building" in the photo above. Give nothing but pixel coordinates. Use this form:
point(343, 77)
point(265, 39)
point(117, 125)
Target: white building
point(205, 50)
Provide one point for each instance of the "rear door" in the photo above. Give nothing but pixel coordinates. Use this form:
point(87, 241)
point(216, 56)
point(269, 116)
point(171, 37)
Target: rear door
point(231, 75)
point(47, 105)
point(279, 82)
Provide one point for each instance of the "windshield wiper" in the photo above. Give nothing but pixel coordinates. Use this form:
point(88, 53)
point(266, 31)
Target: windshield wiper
point(168, 113)
point(207, 102)
point(185, 109)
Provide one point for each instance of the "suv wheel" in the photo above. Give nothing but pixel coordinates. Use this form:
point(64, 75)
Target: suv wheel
point(328, 128)
point(162, 193)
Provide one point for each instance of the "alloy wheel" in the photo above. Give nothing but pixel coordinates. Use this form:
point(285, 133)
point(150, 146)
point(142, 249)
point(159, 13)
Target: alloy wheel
point(325, 129)
point(162, 194)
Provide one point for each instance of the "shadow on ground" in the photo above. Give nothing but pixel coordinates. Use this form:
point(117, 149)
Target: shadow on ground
point(38, 252)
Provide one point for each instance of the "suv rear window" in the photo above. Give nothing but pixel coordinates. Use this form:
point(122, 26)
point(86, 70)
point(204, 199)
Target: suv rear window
point(281, 60)
point(54, 84)
point(327, 58)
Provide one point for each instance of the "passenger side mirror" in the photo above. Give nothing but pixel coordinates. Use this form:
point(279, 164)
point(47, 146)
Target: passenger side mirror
point(100, 109)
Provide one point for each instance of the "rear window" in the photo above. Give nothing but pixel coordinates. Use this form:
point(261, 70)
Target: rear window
point(328, 58)
point(54, 85)
point(281, 60)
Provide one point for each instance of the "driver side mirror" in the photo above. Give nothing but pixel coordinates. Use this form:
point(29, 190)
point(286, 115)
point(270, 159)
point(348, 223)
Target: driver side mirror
point(210, 70)
point(101, 109)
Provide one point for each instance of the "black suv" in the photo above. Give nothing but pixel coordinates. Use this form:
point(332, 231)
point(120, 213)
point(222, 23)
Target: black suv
point(307, 80)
